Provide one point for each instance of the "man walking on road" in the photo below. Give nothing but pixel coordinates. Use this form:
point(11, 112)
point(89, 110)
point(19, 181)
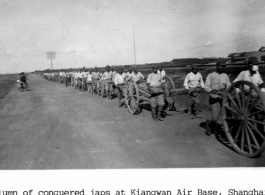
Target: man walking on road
point(136, 75)
point(216, 83)
point(157, 98)
point(194, 84)
point(95, 80)
point(120, 85)
point(106, 79)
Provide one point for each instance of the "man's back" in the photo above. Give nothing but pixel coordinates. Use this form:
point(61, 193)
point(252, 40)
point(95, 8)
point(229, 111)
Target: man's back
point(23, 78)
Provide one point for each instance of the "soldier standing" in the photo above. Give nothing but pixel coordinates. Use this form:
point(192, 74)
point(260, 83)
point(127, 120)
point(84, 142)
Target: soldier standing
point(216, 83)
point(120, 84)
point(157, 98)
point(194, 84)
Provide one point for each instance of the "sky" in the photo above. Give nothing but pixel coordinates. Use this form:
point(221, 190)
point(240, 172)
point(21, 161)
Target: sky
point(89, 33)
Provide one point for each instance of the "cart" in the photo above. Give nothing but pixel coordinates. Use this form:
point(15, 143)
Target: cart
point(137, 94)
point(102, 90)
point(244, 118)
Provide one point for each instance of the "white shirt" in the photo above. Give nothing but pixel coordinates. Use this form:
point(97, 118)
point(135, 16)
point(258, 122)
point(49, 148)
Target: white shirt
point(106, 75)
point(246, 76)
point(129, 75)
point(96, 75)
point(113, 75)
point(216, 81)
point(137, 76)
point(89, 77)
point(154, 79)
point(83, 74)
point(79, 75)
point(193, 80)
point(162, 73)
point(119, 78)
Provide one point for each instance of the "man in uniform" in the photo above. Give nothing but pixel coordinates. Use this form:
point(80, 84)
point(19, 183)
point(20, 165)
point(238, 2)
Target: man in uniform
point(96, 80)
point(89, 81)
point(157, 99)
point(194, 83)
point(136, 75)
point(120, 85)
point(216, 83)
point(252, 75)
point(113, 73)
point(105, 81)
point(129, 74)
point(66, 77)
point(161, 72)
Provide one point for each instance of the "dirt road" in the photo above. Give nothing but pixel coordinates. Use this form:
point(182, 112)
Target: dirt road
point(57, 127)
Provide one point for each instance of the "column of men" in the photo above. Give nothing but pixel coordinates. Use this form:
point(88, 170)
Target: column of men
point(216, 84)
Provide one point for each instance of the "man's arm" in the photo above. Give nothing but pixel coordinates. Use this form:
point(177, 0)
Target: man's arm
point(201, 81)
point(239, 77)
point(186, 81)
point(207, 86)
point(141, 75)
point(148, 81)
point(228, 83)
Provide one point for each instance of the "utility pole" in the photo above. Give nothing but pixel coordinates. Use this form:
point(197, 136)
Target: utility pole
point(134, 48)
point(51, 56)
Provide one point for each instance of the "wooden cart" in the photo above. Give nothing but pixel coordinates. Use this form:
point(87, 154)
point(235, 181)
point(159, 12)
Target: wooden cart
point(244, 118)
point(138, 94)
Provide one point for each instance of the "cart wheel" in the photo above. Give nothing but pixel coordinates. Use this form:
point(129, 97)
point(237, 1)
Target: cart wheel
point(243, 118)
point(132, 97)
point(169, 103)
point(169, 84)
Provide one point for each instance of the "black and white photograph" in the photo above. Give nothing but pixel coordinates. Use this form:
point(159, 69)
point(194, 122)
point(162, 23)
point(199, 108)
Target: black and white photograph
point(132, 84)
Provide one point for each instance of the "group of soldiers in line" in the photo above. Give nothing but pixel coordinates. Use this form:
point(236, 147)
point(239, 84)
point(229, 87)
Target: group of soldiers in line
point(216, 84)
point(109, 80)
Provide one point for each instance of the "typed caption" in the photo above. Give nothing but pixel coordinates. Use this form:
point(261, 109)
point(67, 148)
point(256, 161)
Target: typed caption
point(134, 192)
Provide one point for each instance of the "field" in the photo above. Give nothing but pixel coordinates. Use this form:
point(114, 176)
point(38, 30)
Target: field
point(7, 82)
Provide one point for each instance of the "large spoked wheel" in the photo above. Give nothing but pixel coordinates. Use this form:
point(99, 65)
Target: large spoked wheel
point(243, 118)
point(169, 83)
point(132, 97)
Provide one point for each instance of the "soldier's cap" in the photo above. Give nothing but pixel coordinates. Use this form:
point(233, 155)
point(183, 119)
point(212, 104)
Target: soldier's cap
point(154, 66)
point(107, 66)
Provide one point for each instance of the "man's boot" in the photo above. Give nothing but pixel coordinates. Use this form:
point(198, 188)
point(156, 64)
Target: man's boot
point(154, 114)
point(159, 112)
point(210, 127)
point(108, 95)
point(189, 111)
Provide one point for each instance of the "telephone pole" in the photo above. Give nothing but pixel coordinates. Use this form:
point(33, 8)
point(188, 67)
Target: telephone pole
point(51, 56)
point(134, 48)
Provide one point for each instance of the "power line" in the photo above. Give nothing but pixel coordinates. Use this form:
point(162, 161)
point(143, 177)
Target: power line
point(214, 44)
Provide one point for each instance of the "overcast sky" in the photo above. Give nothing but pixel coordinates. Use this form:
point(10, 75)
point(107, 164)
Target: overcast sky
point(100, 32)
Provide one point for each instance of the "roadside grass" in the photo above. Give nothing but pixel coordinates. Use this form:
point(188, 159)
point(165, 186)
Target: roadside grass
point(7, 82)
